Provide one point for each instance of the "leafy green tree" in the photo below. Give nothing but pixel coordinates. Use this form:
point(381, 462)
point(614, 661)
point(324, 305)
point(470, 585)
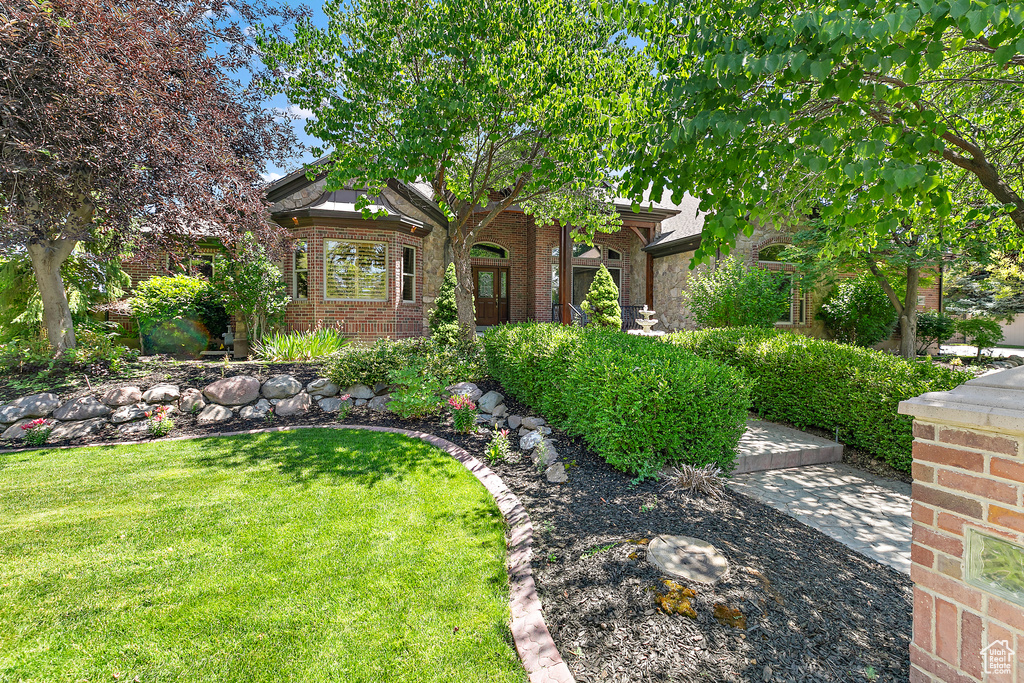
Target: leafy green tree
point(492, 102)
point(934, 328)
point(177, 314)
point(444, 318)
point(731, 294)
point(981, 331)
point(252, 286)
point(602, 302)
point(994, 288)
point(880, 118)
point(857, 311)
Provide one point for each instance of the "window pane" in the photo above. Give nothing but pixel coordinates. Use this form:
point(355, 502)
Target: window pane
point(772, 253)
point(408, 287)
point(614, 255)
point(204, 266)
point(485, 284)
point(408, 260)
point(356, 270)
point(616, 275)
point(487, 251)
point(504, 285)
point(585, 251)
point(554, 275)
point(301, 256)
point(301, 284)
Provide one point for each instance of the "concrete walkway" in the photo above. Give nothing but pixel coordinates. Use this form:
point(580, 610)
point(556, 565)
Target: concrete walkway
point(770, 446)
point(865, 512)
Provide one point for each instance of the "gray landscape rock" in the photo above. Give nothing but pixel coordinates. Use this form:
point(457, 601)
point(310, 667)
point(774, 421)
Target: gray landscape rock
point(467, 389)
point(499, 410)
point(121, 396)
point(251, 413)
point(360, 391)
point(78, 429)
point(555, 473)
point(213, 414)
point(299, 403)
point(191, 401)
point(333, 404)
point(381, 388)
point(322, 387)
point(133, 428)
point(36, 405)
point(360, 402)
point(264, 405)
point(379, 403)
point(162, 393)
point(690, 559)
point(127, 414)
point(15, 431)
point(545, 454)
point(489, 401)
point(533, 422)
point(84, 408)
point(514, 421)
point(546, 431)
point(281, 386)
point(530, 441)
point(233, 391)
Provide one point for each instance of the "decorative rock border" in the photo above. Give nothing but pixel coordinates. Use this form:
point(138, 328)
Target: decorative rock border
point(537, 650)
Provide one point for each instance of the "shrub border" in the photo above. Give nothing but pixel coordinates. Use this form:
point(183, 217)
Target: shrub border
point(537, 651)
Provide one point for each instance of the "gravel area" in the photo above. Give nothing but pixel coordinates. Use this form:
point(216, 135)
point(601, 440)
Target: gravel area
point(815, 610)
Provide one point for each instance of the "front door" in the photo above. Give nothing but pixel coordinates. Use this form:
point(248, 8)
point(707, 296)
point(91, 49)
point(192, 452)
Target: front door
point(490, 287)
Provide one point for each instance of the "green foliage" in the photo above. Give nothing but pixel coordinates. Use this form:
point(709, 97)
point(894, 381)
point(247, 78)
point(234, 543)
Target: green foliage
point(372, 364)
point(463, 412)
point(602, 302)
point(444, 318)
point(933, 329)
point(36, 432)
point(995, 288)
point(733, 295)
point(638, 402)
point(980, 331)
point(159, 421)
point(499, 449)
point(816, 383)
point(417, 392)
point(175, 314)
point(317, 343)
point(252, 286)
point(857, 311)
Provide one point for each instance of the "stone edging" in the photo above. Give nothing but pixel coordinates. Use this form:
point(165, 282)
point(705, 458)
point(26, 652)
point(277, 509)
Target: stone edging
point(537, 651)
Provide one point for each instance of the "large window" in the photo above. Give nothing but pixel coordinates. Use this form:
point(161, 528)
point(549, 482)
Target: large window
point(355, 271)
point(300, 271)
point(409, 274)
point(484, 250)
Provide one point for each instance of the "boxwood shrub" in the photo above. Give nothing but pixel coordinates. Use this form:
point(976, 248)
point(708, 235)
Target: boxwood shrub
point(637, 402)
point(370, 364)
point(816, 383)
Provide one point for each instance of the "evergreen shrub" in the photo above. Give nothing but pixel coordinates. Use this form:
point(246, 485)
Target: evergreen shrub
point(637, 402)
point(602, 302)
point(816, 383)
point(444, 318)
point(857, 311)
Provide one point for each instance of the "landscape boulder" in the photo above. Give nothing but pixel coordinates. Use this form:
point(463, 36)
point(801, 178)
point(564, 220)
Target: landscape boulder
point(299, 403)
point(530, 441)
point(333, 404)
point(191, 401)
point(68, 431)
point(162, 393)
point(84, 408)
point(514, 421)
point(322, 387)
point(233, 391)
point(281, 386)
point(533, 422)
point(489, 401)
point(360, 391)
point(15, 431)
point(379, 403)
point(127, 414)
point(256, 411)
point(467, 389)
point(213, 414)
point(36, 405)
point(555, 473)
point(121, 396)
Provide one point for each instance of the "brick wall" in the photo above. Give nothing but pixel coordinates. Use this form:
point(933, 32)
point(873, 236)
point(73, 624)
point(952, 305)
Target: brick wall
point(968, 472)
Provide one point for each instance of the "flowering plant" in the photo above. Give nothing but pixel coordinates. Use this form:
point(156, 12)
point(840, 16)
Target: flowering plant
point(36, 432)
point(160, 422)
point(463, 413)
point(346, 406)
point(499, 448)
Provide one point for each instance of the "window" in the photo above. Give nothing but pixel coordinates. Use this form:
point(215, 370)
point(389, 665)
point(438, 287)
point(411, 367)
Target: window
point(483, 250)
point(785, 284)
point(614, 255)
point(796, 314)
point(300, 270)
point(772, 253)
point(355, 271)
point(554, 275)
point(202, 265)
point(581, 250)
point(409, 274)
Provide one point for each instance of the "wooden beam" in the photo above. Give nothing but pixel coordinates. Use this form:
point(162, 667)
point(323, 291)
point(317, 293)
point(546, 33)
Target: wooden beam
point(565, 273)
point(643, 237)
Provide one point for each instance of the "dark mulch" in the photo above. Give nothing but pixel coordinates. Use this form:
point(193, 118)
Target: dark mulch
point(815, 610)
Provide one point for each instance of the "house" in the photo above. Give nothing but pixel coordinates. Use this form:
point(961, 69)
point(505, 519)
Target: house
point(378, 277)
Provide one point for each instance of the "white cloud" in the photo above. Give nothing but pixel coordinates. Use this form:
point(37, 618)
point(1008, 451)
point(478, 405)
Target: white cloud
point(293, 112)
point(272, 176)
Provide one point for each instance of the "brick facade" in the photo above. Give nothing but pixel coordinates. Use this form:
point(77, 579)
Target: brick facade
point(968, 473)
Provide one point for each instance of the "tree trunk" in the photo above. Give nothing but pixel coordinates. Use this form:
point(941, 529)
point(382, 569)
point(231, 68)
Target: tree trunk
point(908, 316)
point(464, 289)
point(47, 257)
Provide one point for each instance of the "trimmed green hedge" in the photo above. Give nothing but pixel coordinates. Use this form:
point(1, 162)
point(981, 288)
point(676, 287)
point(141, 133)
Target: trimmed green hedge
point(374, 363)
point(816, 383)
point(637, 402)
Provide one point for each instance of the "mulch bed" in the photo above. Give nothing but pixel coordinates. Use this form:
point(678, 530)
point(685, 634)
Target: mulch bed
point(815, 610)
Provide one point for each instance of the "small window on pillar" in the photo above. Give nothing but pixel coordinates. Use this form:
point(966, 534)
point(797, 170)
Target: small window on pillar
point(483, 250)
point(300, 271)
point(614, 255)
point(409, 274)
point(554, 275)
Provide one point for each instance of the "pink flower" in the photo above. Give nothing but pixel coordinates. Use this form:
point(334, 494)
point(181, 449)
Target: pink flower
point(41, 422)
point(345, 397)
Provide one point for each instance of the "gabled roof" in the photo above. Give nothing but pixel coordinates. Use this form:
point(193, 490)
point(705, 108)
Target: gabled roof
point(342, 204)
point(681, 232)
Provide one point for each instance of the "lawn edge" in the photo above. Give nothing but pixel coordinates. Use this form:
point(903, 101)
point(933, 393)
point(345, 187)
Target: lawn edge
point(537, 651)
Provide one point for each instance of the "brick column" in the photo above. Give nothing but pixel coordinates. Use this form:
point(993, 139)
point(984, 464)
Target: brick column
point(968, 511)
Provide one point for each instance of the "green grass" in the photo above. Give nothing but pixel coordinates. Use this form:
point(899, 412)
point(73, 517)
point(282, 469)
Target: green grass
point(314, 555)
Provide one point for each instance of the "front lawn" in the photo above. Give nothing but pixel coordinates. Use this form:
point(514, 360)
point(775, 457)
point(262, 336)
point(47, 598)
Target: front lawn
point(315, 555)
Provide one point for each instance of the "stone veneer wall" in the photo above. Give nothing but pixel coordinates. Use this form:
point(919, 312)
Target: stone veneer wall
point(968, 477)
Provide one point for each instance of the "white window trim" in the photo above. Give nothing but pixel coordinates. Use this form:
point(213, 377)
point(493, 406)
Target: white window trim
point(295, 275)
point(387, 273)
point(401, 288)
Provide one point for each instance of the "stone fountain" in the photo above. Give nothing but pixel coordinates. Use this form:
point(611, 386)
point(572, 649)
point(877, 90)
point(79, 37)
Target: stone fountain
point(646, 324)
